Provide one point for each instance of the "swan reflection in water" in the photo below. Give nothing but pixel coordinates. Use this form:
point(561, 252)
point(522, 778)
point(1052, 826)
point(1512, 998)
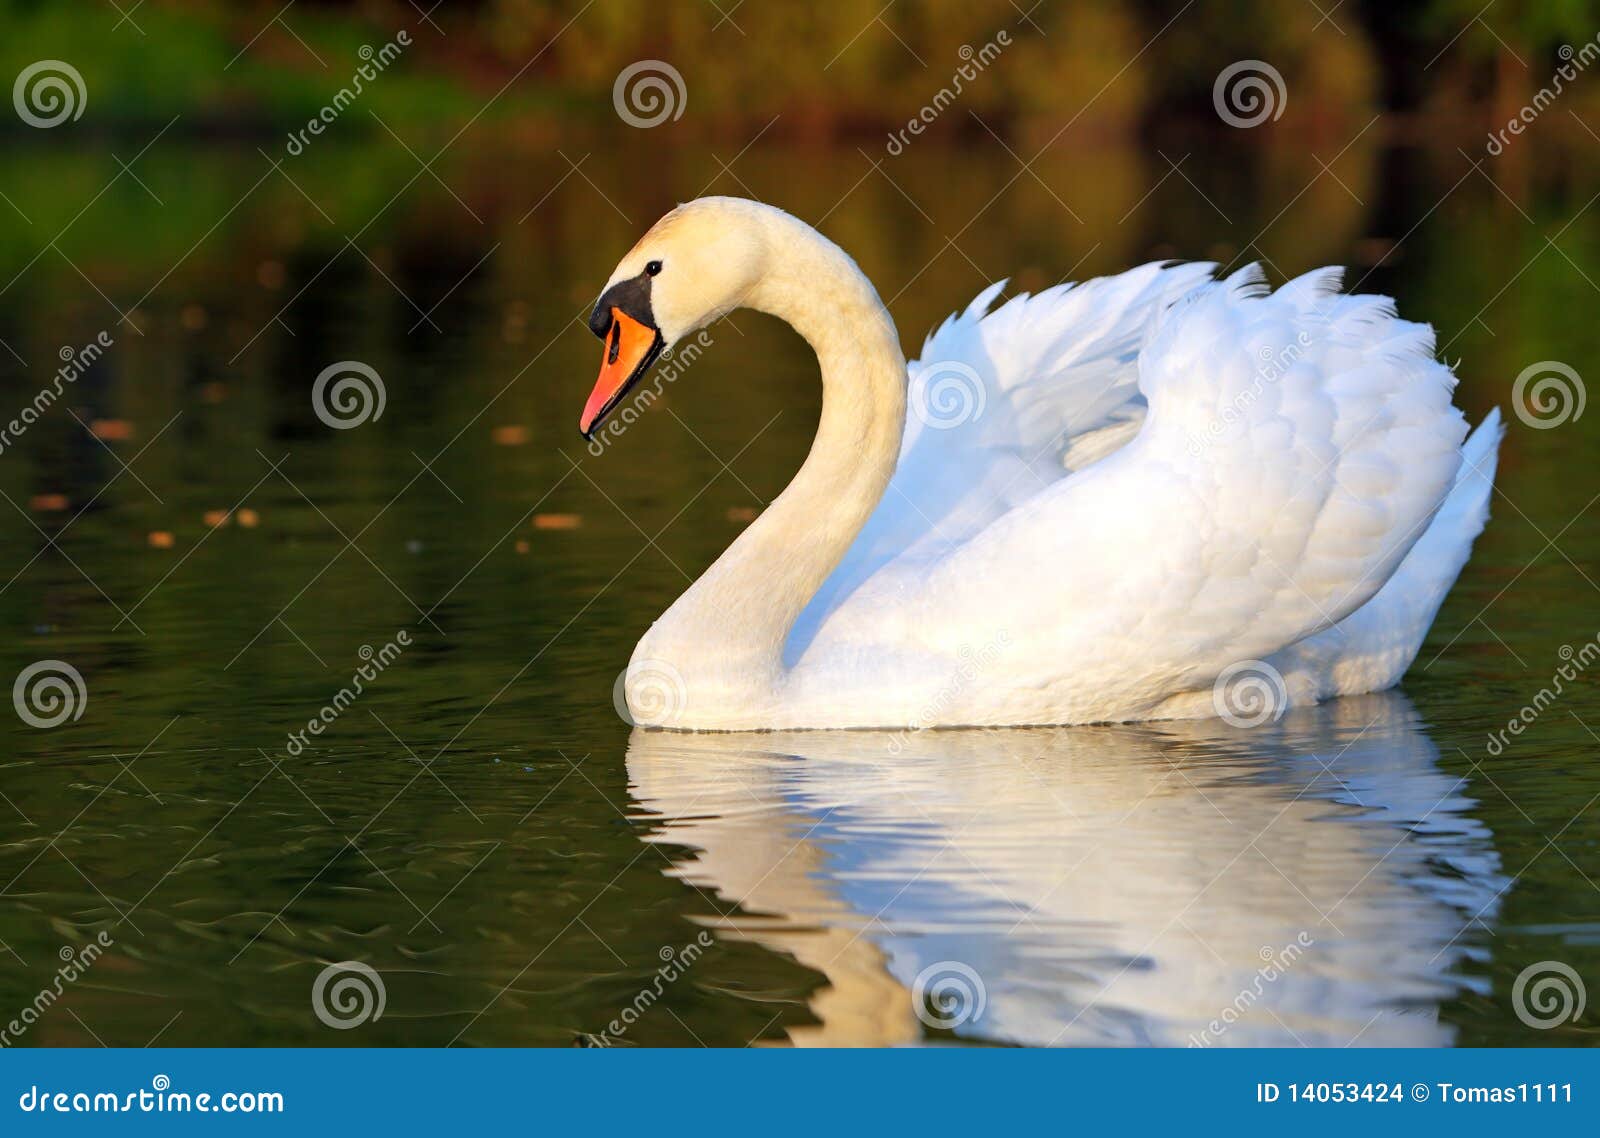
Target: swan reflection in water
point(1311, 881)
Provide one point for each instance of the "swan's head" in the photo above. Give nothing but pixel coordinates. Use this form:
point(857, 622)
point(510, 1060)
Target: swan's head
point(696, 264)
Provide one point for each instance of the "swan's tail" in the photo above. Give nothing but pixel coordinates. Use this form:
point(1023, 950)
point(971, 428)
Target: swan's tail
point(1372, 648)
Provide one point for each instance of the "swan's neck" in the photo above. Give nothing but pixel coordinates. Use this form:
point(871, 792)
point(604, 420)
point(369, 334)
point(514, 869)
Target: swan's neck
point(726, 633)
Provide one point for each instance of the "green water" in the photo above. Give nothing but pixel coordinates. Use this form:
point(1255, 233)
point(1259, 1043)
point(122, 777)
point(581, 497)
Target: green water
point(479, 827)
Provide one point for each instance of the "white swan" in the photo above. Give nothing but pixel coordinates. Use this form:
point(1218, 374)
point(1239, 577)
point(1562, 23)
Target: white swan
point(1108, 498)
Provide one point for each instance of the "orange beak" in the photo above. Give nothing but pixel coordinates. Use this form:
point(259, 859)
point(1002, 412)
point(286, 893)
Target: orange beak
point(631, 347)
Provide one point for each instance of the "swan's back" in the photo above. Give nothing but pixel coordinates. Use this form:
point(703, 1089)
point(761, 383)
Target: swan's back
point(1167, 475)
point(1002, 404)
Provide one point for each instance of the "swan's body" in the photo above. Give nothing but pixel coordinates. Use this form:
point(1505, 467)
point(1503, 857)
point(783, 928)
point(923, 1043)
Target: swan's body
point(1143, 482)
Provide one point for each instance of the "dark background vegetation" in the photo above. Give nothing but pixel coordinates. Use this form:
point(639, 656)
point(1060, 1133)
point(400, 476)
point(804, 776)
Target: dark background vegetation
point(1452, 64)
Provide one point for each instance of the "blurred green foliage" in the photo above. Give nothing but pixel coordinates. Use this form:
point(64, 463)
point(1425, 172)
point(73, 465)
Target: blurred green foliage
point(847, 67)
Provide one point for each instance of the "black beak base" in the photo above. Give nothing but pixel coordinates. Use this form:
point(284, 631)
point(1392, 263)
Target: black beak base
point(631, 296)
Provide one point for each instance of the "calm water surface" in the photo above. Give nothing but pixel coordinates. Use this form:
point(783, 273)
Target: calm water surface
point(482, 829)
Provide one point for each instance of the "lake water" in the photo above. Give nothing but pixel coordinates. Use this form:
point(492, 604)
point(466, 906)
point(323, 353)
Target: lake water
point(513, 860)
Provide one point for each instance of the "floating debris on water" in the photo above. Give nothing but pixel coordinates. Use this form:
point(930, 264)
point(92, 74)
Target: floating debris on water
point(557, 521)
point(112, 430)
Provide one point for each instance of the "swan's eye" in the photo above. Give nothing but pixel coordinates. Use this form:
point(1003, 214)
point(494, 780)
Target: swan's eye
point(652, 268)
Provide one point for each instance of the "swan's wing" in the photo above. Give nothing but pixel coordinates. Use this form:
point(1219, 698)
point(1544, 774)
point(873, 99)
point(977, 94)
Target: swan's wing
point(1297, 445)
point(1371, 648)
point(1001, 406)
